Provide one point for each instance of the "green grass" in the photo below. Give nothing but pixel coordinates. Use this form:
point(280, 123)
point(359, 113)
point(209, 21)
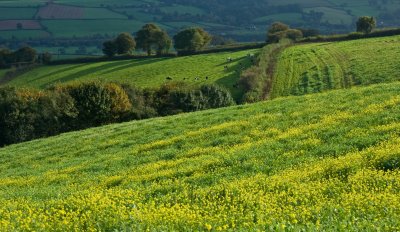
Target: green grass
point(102, 13)
point(24, 34)
point(333, 16)
point(70, 28)
point(22, 3)
point(98, 3)
point(180, 9)
point(17, 13)
point(146, 73)
point(68, 50)
point(285, 17)
point(324, 162)
point(318, 67)
point(136, 13)
point(2, 73)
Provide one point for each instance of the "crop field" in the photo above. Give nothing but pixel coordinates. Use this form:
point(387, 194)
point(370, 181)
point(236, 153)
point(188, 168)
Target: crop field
point(322, 162)
point(55, 11)
point(17, 13)
point(13, 24)
point(317, 67)
point(69, 28)
point(24, 34)
point(338, 13)
point(148, 72)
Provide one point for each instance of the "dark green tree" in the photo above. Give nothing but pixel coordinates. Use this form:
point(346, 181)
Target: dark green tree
point(125, 43)
point(279, 31)
point(110, 48)
point(150, 37)
point(163, 42)
point(25, 54)
point(6, 57)
point(192, 40)
point(366, 24)
point(294, 34)
point(45, 58)
point(277, 27)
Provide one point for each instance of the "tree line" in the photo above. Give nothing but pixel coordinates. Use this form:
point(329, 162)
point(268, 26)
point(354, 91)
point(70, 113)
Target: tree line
point(24, 55)
point(27, 114)
point(152, 39)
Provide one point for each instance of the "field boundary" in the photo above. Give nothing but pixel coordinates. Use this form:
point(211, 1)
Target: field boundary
point(271, 68)
point(351, 36)
point(169, 55)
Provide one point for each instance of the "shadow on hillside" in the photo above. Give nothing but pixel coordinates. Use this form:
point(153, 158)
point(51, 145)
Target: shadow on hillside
point(230, 81)
point(230, 62)
point(56, 72)
point(90, 70)
point(131, 64)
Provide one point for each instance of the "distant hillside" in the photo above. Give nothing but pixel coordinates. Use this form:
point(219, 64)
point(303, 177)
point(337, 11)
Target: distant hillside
point(317, 67)
point(300, 69)
point(323, 162)
point(198, 69)
point(242, 20)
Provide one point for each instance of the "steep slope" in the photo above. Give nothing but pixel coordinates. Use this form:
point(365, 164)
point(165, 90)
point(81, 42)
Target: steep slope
point(317, 67)
point(328, 161)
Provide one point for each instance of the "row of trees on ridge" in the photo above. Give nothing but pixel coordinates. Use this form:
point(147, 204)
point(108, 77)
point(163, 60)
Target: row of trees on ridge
point(152, 38)
point(24, 55)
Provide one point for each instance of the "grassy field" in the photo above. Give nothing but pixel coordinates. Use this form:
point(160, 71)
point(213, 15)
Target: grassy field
point(323, 162)
point(146, 73)
point(318, 67)
point(79, 28)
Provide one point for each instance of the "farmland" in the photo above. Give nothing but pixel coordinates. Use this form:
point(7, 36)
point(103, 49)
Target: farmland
point(318, 162)
point(146, 73)
point(317, 67)
point(338, 16)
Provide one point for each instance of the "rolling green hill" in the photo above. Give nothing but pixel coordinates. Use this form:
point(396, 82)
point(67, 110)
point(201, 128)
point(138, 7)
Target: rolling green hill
point(317, 67)
point(326, 161)
point(148, 72)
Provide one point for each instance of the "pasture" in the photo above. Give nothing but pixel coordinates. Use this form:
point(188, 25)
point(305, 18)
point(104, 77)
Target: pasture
point(319, 162)
point(198, 69)
point(317, 67)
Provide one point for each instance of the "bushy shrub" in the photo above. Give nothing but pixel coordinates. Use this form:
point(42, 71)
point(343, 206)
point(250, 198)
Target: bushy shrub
point(97, 103)
point(216, 96)
point(30, 114)
point(141, 101)
point(249, 79)
point(178, 97)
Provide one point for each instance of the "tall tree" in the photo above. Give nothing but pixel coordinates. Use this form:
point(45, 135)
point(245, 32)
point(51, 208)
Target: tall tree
point(277, 27)
point(278, 31)
point(25, 54)
point(125, 43)
point(163, 41)
point(150, 37)
point(192, 39)
point(366, 24)
point(109, 48)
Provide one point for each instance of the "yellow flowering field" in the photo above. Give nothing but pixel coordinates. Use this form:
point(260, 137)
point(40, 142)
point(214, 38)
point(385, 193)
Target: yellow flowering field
point(323, 162)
